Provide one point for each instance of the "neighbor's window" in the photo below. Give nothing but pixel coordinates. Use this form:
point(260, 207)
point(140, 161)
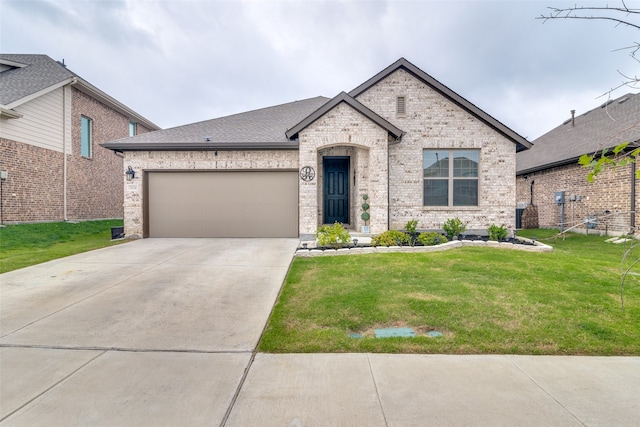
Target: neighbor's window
point(86, 129)
point(450, 177)
point(132, 128)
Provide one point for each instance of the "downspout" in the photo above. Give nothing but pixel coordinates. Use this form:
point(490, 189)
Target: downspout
point(64, 153)
point(633, 198)
point(73, 81)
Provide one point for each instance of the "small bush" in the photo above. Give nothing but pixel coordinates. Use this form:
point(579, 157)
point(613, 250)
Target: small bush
point(391, 238)
point(333, 235)
point(411, 226)
point(453, 227)
point(431, 238)
point(497, 232)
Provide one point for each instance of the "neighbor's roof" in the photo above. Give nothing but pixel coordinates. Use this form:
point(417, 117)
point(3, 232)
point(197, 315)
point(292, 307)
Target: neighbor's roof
point(27, 76)
point(257, 129)
point(612, 123)
point(402, 63)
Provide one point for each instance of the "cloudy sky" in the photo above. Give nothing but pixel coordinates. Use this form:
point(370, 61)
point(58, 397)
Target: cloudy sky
point(182, 61)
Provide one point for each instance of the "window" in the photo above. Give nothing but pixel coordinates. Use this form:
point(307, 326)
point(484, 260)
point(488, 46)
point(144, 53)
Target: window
point(401, 106)
point(450, 177)
point(132, 128)
point(86, 130)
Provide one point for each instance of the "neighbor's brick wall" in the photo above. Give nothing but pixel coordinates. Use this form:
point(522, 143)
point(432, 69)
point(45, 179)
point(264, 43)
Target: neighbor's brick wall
point(142, 161)
point(611, 190)
point(432, 121)
point(95, 188)
point(33, 188)
point(344, 131)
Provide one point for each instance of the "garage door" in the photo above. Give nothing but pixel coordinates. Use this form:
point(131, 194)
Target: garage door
point(222, 204)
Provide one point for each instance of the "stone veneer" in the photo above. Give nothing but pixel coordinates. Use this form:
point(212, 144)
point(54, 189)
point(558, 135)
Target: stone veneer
point(390, 172)
point(145, 161)
point(431, 121)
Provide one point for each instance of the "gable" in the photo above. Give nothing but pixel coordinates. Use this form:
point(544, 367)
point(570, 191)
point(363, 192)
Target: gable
point(421, 76)
point(394, 132)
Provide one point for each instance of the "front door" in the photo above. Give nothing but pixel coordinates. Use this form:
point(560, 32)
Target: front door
point(336, 189)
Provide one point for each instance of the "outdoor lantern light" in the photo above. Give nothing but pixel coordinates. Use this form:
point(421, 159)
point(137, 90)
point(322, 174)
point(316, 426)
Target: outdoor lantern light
point(130, 173)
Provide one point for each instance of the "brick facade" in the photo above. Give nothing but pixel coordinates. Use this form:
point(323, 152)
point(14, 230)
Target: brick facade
point(34, 189)
point(390, 172)
point(610, 191)
point(142, 161)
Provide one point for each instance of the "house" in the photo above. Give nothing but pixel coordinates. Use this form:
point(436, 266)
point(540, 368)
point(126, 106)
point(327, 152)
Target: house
point(52, 123)
point(415, 147)
point(552, 187)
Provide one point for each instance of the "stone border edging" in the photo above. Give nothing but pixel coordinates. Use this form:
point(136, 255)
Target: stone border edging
point(359, 250)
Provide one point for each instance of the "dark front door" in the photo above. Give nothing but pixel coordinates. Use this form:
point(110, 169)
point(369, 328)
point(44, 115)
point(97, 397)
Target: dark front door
point(336, 190)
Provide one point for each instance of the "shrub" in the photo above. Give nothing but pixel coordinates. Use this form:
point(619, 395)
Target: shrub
point(411, 226)
point(333, 235)
point(410, 229)
point(431, 238)
point(453, 227)
point(497, 232)
point(391, 238)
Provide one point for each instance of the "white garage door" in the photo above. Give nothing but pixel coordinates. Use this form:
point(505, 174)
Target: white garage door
point(222, 204)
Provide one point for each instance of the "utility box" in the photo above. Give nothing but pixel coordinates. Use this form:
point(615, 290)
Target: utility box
point(559, 198)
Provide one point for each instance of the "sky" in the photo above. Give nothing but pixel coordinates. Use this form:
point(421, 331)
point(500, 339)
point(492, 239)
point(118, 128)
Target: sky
point(183, 61)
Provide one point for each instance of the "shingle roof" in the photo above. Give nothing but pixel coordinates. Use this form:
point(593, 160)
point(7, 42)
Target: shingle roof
point(355, 104)
point(606, 126)
point(263, 128)
point(40, 72)
point(36, 73)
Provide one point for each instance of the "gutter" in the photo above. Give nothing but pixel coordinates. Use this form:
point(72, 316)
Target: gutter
point(64, 147)
point(199, 146)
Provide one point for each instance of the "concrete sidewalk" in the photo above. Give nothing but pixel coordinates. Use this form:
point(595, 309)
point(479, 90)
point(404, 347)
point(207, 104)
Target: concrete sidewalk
point(162, 332)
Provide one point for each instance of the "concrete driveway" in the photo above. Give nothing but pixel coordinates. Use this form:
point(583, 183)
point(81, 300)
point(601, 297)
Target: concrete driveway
point(173, 322)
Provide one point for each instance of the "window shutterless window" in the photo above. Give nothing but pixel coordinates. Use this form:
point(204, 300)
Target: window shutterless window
point(132, 128)
point(450, 177)
point(86, 136)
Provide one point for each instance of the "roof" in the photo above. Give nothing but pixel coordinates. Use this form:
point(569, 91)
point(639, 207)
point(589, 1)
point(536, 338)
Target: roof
point(27, 76)
point(278, 127)
point(349, 100)
point(606, 126)
point(257, 129)
point(402, 63)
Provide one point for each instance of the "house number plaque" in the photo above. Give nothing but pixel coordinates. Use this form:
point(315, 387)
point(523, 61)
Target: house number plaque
point(307, 173)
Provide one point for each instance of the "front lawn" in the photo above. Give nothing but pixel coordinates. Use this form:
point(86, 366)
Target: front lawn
point(22, 245)
point(482, 300)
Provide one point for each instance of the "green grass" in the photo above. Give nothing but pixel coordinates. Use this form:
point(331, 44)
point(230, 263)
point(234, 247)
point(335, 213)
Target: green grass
point(483, 300)
point(23, 245)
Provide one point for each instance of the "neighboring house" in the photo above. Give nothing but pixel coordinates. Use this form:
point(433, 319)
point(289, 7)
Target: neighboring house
point(415, 147)
point(551, 166)
point(52, 123)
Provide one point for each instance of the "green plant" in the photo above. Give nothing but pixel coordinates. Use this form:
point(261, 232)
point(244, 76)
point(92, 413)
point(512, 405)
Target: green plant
point(411, 226)
point(365, 207)
point(391, 238)
point(497, 232)
point(453, 227)
point(431, 238)
point(333, 235)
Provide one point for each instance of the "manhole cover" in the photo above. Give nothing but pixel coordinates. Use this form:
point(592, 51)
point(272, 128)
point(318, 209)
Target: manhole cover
point(395, 332)
point(434, 334)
